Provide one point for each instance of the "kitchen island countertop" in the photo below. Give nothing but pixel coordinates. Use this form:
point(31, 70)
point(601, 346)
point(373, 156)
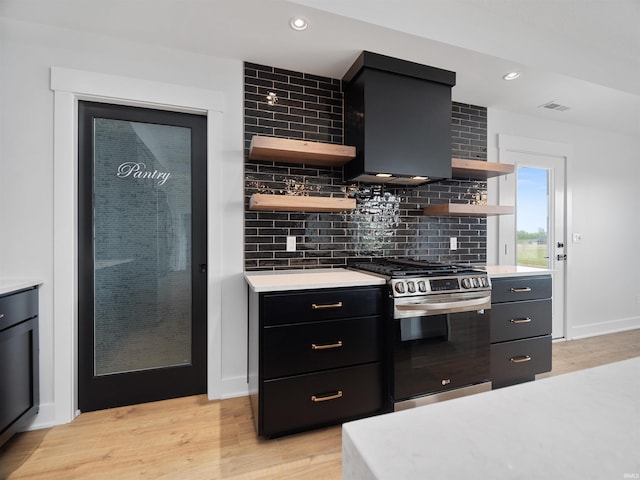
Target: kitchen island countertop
point(583, 425)
point(284, 280)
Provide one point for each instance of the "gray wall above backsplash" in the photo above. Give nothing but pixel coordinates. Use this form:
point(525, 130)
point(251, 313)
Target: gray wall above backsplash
point(386, 222)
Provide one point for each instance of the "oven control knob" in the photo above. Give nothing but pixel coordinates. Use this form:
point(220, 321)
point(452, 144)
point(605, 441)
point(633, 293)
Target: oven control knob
point(422, 286)
point(485, 282)
point(466, 283)
point(411, 287)
point(399, 287)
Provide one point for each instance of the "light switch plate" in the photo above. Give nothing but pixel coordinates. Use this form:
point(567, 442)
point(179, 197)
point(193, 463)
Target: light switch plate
point(453, 243)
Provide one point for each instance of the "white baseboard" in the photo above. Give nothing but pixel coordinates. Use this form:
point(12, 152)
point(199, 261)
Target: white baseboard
point(234, 387)
point(603, 328)
point(45, 418)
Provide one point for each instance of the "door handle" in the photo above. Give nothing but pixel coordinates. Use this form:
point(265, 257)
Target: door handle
point(203, 268)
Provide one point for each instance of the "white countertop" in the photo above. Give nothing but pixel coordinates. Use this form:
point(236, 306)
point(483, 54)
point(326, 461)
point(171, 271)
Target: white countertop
point(8, 285)
point(582, 425)
point(281, 280)
point(496, 271)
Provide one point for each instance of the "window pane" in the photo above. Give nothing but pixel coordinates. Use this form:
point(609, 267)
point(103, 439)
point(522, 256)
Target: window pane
point(142, 246)
point(532, 217)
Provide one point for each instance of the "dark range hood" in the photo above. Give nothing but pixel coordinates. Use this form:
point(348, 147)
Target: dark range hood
point(398, 116)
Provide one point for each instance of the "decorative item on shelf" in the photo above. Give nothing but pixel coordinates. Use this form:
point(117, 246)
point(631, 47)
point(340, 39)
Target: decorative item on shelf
point(476, 194)
point(479, 198)
point(291, 186)
point(299, 188)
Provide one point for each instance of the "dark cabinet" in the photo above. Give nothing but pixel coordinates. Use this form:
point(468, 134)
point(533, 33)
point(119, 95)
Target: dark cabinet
point(19, 380)
point(520, 329)
point(316, 358)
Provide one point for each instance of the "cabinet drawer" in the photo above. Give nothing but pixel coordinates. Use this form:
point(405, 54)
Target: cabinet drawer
point(310, 347)
point(297, 403)
point(516, 320)
point(18, 307)
point(313, 305)
point(513, 289)
point(519, 360)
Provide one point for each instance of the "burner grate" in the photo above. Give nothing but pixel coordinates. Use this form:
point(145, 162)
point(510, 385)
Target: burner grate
point(412, 268)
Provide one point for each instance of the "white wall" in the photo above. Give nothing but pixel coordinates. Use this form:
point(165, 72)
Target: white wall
point(603, 289)
point(27, 51)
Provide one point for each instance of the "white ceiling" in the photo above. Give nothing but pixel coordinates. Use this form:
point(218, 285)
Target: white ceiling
point(584, 54)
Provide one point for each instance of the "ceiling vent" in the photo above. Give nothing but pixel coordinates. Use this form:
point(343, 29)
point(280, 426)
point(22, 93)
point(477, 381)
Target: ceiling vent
point(554, 106)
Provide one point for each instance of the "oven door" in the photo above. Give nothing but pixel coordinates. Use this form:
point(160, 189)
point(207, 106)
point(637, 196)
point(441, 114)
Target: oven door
point(440, 345)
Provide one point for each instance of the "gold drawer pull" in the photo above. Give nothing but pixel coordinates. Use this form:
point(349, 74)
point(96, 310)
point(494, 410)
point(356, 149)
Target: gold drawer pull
point(521, 359)
point(520, 290)
point(338, 344)
point(315, 306)
point(328, 397)
point(520, 320)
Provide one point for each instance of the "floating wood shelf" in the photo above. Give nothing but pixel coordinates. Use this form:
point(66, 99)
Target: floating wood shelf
point(466, 210)
point(292, 203)
point(463, 168)
point(300, 151)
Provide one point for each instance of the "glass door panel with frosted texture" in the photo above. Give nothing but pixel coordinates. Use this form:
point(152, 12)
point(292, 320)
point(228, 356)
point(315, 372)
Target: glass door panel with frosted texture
point(532, 217)
point(142, 236)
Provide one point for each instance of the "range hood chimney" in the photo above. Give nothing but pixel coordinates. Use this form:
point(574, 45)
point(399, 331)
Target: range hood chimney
point(398, 116)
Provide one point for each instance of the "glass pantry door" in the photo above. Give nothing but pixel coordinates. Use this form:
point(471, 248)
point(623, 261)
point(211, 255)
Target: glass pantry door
point(142, 255)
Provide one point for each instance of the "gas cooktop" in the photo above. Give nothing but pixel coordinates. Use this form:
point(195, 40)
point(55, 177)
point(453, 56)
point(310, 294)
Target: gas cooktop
point(396, 267)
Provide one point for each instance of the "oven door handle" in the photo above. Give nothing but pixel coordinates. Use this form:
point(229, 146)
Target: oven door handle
point(483, 302)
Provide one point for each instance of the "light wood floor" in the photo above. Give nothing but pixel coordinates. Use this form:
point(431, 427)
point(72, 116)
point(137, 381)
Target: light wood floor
point(192, 438)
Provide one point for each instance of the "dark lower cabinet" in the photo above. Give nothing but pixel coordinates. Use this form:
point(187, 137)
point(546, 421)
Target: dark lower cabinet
point(521, 319)
point(316, 358)
point(321, 398)
point(19, 371)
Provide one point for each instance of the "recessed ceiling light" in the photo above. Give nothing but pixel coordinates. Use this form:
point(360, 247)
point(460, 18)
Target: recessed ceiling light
point(299, 23)
point(511, 76)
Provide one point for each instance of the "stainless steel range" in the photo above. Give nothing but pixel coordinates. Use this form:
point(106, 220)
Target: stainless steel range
point(439, 329)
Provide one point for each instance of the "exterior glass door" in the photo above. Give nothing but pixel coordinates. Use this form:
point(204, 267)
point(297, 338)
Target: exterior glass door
point(537, 237)
point(142, 265)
